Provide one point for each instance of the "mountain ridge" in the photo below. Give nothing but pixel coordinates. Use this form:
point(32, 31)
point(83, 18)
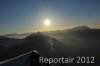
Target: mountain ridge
point(77, 29)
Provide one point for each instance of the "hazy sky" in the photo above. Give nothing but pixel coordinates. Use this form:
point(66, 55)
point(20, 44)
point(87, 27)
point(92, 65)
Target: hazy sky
point(29, 15)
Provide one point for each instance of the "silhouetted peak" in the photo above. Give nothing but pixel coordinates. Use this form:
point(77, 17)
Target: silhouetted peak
point(83, 27)
point(37, 35)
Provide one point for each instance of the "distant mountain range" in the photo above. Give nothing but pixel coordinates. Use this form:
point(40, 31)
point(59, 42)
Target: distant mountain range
point(82, 28)
point(15, 35)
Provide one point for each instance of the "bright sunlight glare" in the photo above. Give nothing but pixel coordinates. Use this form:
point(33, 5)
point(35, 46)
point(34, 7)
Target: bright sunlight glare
point(47, 22)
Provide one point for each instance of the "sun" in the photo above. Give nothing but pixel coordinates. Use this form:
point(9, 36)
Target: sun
point(47, 22)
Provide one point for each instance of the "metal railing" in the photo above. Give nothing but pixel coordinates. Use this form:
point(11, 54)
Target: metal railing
point(21, 60)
